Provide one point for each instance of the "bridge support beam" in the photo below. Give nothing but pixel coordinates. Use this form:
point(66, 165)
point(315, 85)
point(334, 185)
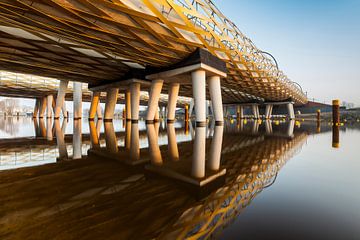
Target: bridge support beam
point(135, 101)
point(290, 107)
point(239, 112)
point(255, 109)
point(42, 107)
point(94, 105)
point(36, 108)
point(153, 104)
point(77, 99)
point(111, 100)
point(268, 111)
point(173, 96)
point(128, 104)
point(49, 108)
point(60, 99)
point(216, 99)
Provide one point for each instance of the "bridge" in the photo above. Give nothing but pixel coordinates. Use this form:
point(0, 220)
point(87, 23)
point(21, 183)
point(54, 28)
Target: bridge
point(181, 48)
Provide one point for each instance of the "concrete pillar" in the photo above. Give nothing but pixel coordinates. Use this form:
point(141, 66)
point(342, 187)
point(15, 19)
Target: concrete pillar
point(154, 149)
point(172, 143)
point(49, 108)
point(318, 115)
point(111, 100)
point(99, 112)
point(290, 107)
point(268, 111)
point(198, 160)
point(110, 137)
point(173, 96)
point(216, 99)
point(153, 104)
point(157, 115)
point(191, 108)
point(60, 99)
point(239, 112)
point(336, 136)
point(60, 139)
point(135, 102)
point(36, 108)
point(215, 150)
point(199, 94)
point(64, 111)
point(77, 139)
point(336, 111)
point(63, 126)
point(77, 99)
point(186, 117)
point(95, 98)
point(255, 109)
point(128, 104)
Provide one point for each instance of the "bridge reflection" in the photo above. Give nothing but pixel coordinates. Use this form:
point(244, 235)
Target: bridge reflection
point(159, 182)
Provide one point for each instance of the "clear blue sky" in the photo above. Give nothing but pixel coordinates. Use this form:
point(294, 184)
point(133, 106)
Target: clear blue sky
point(316, 43)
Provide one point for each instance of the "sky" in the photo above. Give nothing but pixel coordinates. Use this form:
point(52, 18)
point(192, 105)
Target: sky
point(316, 43)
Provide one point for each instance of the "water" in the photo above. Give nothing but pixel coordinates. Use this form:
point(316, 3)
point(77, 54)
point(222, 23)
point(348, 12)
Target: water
point(243, 180)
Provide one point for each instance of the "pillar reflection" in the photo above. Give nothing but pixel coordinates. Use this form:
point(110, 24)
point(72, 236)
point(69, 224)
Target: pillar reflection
point(268, 127)
point(110, 137)
point(172, 143)
point(198, 161)
point(60, 140)
point(154, 149)
point(134, 142)
point(127, 135)
point(49, 130)
point(94, 138)
point(77, 139)
point(215, 150)
point(290, 129)
point(335, 136)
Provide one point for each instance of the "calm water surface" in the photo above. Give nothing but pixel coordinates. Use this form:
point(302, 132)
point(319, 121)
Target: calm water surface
point(244, 180)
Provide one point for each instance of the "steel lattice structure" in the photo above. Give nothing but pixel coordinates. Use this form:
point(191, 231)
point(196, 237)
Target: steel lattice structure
point(97, 40)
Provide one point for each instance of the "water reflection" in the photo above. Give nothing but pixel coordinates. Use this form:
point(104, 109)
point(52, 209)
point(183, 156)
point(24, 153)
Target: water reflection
point(143, 182)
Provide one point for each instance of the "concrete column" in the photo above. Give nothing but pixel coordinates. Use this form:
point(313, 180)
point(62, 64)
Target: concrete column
point(63, 126)
point(290, 107)
point(94, 105)
point(198, 161)
point(60, 139)
point(111, 100)
point(157, 115)
point(173, 96)
point(255, 109)
point(135, 101)
point(49, 108)
point(154, 149)
point(186, 117)
point(64, 111)
point(36, 108)
point(268, 111)
point(199, 94)
point(216, 99)
point(172, 143)
point(60, 99)
point(128, 104)
point(336, 112)
point(215, 150)
point(110, 137)
point(77, 99)
point(127, 135)
point(98, 112)
point(191, 108)
point(77, 139)
point(240, 112)
point(153, 104)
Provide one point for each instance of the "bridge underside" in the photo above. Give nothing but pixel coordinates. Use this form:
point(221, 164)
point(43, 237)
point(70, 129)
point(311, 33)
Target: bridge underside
point(99, 41)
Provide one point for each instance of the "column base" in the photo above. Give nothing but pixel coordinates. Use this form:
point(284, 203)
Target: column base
point(91, 119)
point(128, 119)
point(219, 123)
point(78, 118)
point(149, 121)
point(170, 120)
point(108, 120)
point(134, 120)
point(201, 124)
point(55, 118)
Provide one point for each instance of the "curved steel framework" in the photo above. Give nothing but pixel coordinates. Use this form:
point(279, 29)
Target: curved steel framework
point(97, 40)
